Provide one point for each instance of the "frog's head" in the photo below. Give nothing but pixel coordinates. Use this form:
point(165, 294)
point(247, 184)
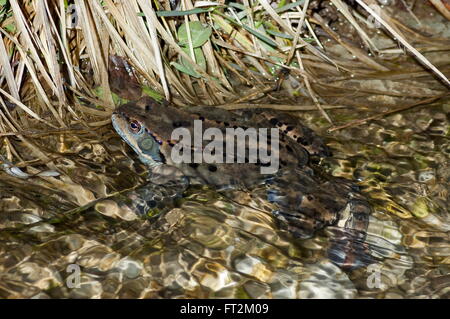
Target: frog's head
point(130, 120)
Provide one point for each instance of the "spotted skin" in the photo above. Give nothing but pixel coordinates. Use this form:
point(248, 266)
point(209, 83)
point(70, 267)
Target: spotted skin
point(306, 200)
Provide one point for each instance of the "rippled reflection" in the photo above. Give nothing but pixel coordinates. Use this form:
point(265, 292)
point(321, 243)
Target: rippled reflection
point(228, 245)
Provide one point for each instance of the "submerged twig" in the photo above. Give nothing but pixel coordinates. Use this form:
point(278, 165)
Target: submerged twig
point(380, 115)
point(280, 107)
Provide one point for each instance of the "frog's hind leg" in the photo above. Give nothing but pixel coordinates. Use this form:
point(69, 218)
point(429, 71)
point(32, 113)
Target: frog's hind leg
point(303, 203)
point(348, 247)
point(306, 204)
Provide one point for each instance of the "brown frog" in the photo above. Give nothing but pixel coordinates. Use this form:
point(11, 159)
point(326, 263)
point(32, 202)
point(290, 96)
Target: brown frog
point(306, 200)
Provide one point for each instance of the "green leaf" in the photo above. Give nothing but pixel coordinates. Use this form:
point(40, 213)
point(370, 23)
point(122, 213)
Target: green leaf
point(181, 13)
point(252, 31)
point(289, 6)
point(118, 100)
point(99, 93)
point(184, 69)
point(260, 36)
point(280, 35)
point(11, 28)
point(282, 3)
point(199, 34)
point(199, 58)
point(152, 93)
point(237, 5)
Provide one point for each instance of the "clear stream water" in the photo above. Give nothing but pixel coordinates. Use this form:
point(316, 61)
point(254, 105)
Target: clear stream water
point(212, 246)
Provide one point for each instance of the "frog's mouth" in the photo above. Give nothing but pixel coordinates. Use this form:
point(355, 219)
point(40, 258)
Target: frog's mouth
point(118, 122)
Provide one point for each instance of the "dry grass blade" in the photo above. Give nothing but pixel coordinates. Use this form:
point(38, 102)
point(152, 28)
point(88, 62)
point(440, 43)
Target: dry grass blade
point(4, 60)
point(25, 108)
point(343, 8)
point(297, 34)
point(419, 56)
point(279, 107)
point(276, 17)
point(114, 34)
point(91, 30)
point(62, 39)
point(50, 66)
point(354, 50)
point(442, 8)
point(26, 35)
point(146, 7)
point(49, 47)
point(31, 50)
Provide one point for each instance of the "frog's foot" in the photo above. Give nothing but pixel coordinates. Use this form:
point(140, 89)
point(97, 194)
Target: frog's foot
point(305, 205)
point(348, 248)
point(297, 224)
point(147, 201)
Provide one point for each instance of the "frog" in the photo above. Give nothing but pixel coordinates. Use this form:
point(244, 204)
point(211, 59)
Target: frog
point(305, 199)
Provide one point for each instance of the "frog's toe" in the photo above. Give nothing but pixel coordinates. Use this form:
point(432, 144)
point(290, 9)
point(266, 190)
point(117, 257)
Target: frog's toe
point(297, 224)
point(348, 249)
point(348, 246)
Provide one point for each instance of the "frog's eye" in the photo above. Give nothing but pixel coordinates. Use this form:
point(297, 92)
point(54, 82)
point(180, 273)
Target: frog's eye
point(135, 126)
